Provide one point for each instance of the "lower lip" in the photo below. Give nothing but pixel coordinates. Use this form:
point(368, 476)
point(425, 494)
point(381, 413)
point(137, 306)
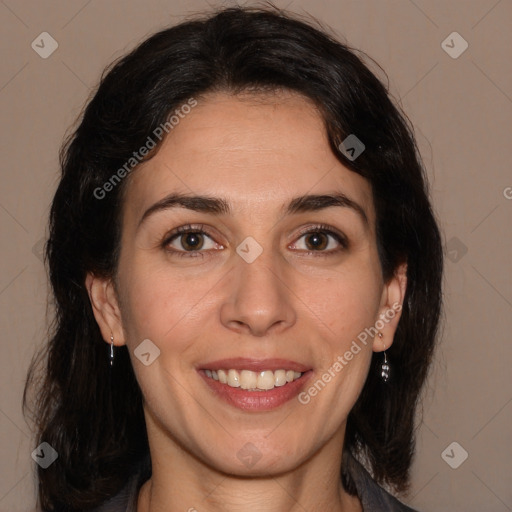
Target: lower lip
point(257, 400)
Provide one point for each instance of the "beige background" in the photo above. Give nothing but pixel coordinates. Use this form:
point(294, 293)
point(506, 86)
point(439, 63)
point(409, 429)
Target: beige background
point(462, 111)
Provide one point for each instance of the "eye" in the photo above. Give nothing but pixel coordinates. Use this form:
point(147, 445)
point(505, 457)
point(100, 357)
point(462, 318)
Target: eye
point(188, 239)
point(320, 239)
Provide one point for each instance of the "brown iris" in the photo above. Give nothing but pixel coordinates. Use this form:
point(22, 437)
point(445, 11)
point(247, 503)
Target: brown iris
point(316, 241)
point(192, 241)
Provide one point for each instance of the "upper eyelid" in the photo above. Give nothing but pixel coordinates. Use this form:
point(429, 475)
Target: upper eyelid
point(321, 228)
point(183, 230)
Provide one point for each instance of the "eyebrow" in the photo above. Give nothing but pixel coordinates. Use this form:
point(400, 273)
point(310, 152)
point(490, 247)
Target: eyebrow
point(220, 206)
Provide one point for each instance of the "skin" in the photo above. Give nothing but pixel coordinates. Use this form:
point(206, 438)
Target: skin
point(294, 302)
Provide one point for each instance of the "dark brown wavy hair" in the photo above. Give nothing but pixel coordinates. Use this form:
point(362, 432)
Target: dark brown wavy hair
point(92, 413)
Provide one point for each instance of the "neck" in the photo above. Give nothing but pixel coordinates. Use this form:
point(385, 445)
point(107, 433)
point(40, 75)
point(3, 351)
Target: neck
point(182, 482)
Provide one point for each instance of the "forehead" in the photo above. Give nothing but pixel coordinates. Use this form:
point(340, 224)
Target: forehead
point(256, 150)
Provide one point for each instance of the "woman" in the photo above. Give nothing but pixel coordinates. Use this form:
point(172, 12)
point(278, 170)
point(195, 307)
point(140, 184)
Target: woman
point(247, 280)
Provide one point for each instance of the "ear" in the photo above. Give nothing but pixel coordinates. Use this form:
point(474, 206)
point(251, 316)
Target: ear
point(105, 307)
point(390, 309)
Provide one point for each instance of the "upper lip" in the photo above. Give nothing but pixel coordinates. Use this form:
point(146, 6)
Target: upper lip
point(256, 365)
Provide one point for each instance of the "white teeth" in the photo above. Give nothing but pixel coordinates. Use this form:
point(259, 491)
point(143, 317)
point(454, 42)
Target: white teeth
point(266, 380)
point(280, 376)
point(233, 379)
point(222, 376)
point(248, 379)
point(254, 381)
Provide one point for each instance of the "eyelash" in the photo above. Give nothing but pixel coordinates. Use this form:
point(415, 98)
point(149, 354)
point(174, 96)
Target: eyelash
point(200, 229)
point(188, 228)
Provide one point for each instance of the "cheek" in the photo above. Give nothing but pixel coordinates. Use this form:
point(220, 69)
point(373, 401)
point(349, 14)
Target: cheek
point(347, 301)
point(157, 303)
point(346, 306)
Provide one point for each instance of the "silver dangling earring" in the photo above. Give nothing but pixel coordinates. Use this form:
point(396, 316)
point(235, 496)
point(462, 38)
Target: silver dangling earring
point(111, 350)
point(385, 369)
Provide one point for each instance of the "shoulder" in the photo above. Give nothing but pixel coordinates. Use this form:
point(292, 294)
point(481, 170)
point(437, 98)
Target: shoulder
point(126, 499)
point(373, 497)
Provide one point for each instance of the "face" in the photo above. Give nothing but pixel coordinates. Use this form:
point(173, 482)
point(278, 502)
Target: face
point(249, 260)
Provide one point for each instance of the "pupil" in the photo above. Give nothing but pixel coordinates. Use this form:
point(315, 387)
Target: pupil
point(316, 241)
point(191, 241)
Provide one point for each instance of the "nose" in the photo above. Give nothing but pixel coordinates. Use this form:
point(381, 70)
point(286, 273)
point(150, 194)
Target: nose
point(259, 300)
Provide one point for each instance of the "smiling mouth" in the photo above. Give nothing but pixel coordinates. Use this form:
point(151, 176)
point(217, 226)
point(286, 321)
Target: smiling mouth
point(253, 381)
